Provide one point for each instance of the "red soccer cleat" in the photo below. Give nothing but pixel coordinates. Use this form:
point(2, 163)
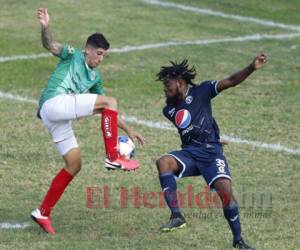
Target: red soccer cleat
point(122, 163)
point(43, 221)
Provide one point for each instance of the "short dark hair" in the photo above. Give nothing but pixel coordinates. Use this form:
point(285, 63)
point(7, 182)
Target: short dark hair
point(98, 40)
point(177, 71)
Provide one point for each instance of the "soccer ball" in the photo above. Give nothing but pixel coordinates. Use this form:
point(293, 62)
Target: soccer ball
point(126, 147)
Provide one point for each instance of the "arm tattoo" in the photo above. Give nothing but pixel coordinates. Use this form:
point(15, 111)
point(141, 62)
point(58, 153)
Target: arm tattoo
point(46, 38)
point(48, 42)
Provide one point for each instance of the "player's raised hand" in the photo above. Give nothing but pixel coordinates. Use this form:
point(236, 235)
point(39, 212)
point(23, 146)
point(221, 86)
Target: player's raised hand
point(259, 60)
point(43, 17)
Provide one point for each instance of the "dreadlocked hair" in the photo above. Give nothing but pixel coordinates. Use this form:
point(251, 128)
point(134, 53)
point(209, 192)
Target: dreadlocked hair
point(177, 71)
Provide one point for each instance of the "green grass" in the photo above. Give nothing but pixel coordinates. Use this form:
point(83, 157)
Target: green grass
point(264, 108)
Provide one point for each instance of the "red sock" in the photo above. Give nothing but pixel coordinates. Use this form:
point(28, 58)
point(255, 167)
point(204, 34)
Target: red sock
point(109, 125)
point(58, 185)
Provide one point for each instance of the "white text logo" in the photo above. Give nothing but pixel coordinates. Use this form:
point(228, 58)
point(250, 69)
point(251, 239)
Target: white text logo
point(107, 127)
point(221, 166)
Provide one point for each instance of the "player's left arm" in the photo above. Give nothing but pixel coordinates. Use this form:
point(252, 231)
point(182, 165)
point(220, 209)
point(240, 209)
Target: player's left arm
point(241, 75)
point(130, 132)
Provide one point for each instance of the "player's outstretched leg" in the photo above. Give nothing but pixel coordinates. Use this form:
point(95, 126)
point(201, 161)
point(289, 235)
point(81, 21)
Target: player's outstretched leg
point(168, 185)
point(60, 182)
point(107, 106)
point(109, 125)
point(231, 212)
point(42, 215)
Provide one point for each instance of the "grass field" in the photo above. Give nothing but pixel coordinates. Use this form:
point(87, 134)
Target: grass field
point(263, 109)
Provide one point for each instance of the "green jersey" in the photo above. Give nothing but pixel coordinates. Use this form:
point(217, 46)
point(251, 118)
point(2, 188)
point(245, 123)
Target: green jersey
point(72, 75)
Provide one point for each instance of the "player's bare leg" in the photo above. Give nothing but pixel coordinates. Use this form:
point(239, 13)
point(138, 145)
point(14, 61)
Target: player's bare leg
point(107, 106)
point(231, 212)
point(73, 161)
point(166, 167)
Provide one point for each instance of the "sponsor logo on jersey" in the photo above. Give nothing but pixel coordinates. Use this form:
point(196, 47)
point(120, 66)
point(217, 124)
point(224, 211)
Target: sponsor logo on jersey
point(70, 50)
point(171, 112)
point(187, 130)
point(107, 127)
point(183, 118)
point(189, 99)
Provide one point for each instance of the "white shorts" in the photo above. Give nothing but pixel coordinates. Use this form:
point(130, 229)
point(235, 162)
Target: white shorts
point(57, 114)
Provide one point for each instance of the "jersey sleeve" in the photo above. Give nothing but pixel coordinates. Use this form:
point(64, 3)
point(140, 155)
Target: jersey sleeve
point(168, 112)
point(97, 89)
point(66, 52)
point(164, 111)
point(209, 88)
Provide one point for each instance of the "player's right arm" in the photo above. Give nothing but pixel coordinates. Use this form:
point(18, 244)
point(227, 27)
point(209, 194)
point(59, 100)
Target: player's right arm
point(241, 75)
point(54, 47)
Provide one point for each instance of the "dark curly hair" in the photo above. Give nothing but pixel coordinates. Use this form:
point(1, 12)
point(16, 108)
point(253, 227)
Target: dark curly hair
point(177, 71)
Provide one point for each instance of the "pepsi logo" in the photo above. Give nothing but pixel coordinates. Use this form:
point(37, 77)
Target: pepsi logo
point(183, 118)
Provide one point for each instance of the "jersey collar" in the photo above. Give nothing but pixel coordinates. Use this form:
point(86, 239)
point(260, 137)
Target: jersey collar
point(187, 91)
point(91, 72)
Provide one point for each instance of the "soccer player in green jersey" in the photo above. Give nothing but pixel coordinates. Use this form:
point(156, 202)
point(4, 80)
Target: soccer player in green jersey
point(74, 90)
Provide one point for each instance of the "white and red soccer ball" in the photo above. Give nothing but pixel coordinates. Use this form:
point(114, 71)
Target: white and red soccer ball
point(126, 147)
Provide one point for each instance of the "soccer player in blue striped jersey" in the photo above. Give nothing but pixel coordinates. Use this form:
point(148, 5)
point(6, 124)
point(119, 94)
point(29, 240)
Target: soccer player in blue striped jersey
point(188, 107)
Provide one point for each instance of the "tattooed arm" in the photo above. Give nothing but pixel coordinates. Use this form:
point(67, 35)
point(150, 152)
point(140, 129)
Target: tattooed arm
point(47, 41)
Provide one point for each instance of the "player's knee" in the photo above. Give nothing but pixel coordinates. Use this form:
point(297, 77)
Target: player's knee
point(164, 165)
point(226, 198)
point(78, 165)
point(103, 102)
point(160, 164)
point(224, 190)
point(74, 167)
point(112, 103)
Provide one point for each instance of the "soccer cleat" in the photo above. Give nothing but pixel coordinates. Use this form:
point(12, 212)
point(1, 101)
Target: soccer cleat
point(43, 221)
point(173, 224)
point(122, 163)
point(240, 244)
